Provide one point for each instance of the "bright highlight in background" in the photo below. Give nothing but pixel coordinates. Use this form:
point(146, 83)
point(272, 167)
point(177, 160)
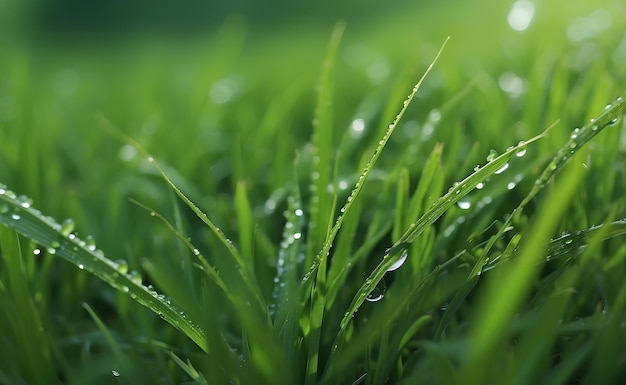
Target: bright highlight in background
point(521, 15)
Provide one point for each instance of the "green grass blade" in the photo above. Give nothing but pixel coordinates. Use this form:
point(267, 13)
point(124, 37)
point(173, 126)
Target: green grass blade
point(321, 256)
point(245, 221)
point(59, 240)
point(456, 193)
point(506, 291)
point(22, 325)
point(320, 210)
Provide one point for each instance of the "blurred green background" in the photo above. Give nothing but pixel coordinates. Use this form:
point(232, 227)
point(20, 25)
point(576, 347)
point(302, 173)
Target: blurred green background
point(195, 81)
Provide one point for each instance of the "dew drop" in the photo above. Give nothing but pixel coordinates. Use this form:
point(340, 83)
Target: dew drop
point(122, 266)
point(510, 186)
point(25, 201)
point(299, 212)
point(51, 250)
point(90, 242)
point(81, 266)
point(135, 277)
point(434, 115)
point(501, 169)
point(521, 151)
point(396, 265)
point(16, 216)
point(464, 205)
point(196, 252)
point(378, 293)
point(480, 186)
point(36, 251)
point(357, 127)
point(67, 226)
point(492, 155)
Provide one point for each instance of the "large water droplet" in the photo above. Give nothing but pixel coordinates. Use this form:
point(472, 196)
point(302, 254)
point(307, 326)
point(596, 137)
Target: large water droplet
point(378, 293)
point(16, 216)
point(464, 205)
point(493, 154)
point(396, 265)
point(502, 169)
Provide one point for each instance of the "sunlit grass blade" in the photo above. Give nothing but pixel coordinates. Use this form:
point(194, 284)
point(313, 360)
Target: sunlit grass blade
point(60, 240)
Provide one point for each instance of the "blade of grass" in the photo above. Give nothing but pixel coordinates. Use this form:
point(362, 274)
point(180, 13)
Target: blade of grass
point(506, 292)
point(458, 191)
point(321, 256)
point(59, 240)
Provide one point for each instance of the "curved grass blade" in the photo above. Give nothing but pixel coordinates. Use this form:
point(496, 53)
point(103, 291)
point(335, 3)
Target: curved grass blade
point(578, 138)
point(204, 264)
point(244, 269)
point(18, 214)
point(571, 245)
point(455, 193)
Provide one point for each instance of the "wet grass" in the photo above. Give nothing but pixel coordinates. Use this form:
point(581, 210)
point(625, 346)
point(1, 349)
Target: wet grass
point(294, 218)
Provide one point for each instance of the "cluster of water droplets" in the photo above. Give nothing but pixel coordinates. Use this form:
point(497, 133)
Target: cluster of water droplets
point(289, 254)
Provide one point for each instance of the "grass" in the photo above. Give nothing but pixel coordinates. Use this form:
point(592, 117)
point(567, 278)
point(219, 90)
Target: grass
point(231, 223)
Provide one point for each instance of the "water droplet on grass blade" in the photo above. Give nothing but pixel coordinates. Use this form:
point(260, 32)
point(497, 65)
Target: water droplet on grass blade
point(122, 266)
point(493, 154)
point(25, 201)
point(67, 226)
point(135, 277)
point(396, 265)
point(378, 293)
point(501, 169)
point(463, 204)
point(90, 242)
point(16, 216)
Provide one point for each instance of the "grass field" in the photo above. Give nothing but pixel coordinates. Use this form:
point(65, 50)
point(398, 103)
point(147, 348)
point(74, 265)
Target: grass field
point(282, 206)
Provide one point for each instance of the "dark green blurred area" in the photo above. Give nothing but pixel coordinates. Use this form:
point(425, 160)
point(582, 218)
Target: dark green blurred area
point(74, 19)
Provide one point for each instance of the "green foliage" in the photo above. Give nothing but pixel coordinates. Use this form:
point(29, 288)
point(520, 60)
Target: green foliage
point(477, 237)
